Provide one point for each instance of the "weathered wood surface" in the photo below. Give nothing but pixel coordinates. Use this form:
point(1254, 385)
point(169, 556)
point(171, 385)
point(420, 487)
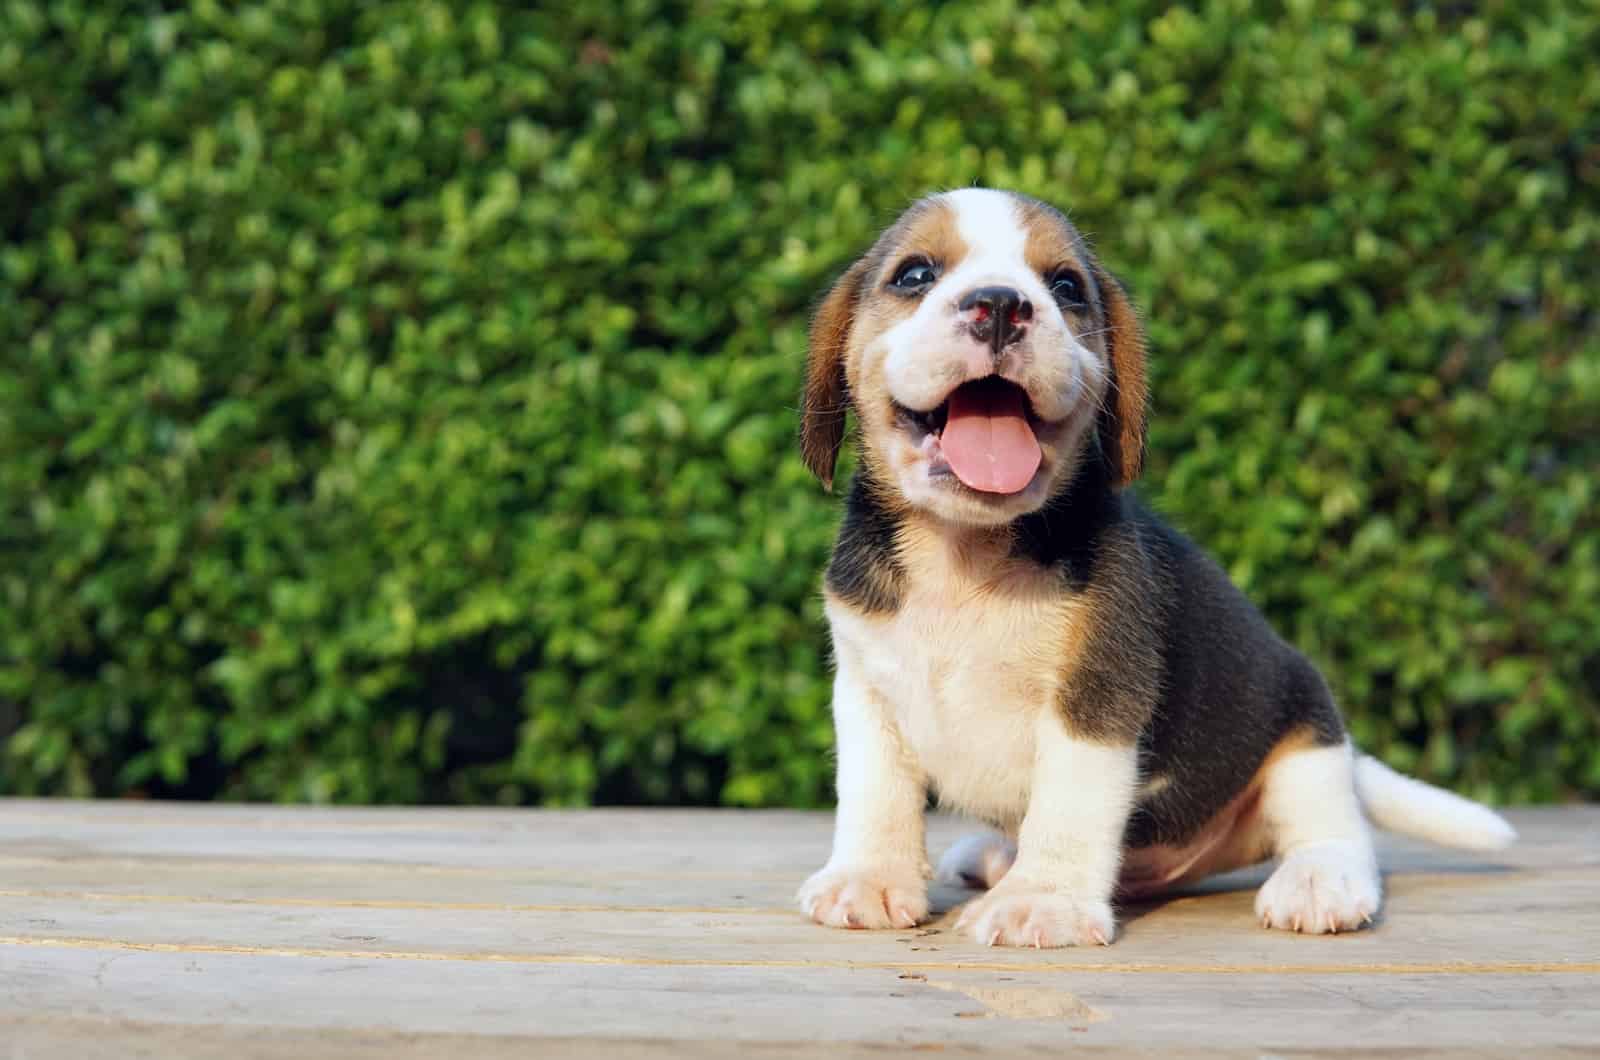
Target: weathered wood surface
point(139, 929)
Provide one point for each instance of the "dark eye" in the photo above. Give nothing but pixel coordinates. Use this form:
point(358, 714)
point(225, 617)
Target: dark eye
point(1066, 287)
point(914, 276)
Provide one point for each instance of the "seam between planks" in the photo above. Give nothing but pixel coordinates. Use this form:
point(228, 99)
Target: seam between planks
point(1379, 968)
point(410, 868)
point(389, 903)
point(184, 863)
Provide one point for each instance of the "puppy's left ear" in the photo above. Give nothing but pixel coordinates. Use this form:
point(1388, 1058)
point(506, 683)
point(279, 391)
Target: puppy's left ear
point(826, 397)
point(1122, 423)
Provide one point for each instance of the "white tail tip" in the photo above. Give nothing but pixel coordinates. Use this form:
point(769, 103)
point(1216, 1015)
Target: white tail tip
point(1404, 804)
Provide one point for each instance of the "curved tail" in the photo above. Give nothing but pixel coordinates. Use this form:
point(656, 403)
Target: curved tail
point(1403, 804)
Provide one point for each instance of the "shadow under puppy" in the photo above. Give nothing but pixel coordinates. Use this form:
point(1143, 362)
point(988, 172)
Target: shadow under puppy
point(1016, 633)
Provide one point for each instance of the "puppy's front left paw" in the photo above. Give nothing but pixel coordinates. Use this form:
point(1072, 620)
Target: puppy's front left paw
point(1037, 918)
point(867, 897)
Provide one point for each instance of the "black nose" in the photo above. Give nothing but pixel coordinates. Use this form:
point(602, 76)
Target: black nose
point(997, 315)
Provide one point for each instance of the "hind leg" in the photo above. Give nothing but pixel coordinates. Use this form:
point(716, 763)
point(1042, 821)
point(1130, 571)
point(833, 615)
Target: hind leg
point(1328, 878)
point(977, 861)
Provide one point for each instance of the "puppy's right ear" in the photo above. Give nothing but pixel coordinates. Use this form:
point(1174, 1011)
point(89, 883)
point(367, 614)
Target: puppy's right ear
point(826, 397)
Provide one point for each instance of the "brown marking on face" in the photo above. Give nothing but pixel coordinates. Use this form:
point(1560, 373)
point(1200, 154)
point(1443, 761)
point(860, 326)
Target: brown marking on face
point(928, 230)
point(1052, 241)
point(855, 311)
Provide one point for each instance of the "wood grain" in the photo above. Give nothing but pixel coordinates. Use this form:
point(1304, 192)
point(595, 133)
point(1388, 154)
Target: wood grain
point(132, 929)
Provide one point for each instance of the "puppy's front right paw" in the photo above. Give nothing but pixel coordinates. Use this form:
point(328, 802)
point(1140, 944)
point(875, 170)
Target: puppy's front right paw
point(866, 897)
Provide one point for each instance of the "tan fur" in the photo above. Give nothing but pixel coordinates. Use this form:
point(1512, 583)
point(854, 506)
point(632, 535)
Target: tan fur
point(823, 406)
point(1122, 432)
point(928, 232)
point(1049, 245)
point(977, 628)
point(856, 306)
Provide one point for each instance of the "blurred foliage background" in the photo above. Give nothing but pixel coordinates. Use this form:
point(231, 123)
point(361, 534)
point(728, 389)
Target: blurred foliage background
point(398, 398)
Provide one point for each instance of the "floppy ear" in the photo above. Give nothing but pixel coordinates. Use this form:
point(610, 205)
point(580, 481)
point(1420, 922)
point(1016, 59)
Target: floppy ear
point(822, 406)
point(1122, 419)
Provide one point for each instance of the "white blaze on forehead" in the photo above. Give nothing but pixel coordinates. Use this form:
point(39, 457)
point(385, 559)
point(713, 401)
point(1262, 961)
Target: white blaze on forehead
point(992, 228)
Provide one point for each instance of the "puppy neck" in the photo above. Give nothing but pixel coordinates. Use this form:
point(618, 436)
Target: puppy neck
point(1065, 534)
point(1062, 535)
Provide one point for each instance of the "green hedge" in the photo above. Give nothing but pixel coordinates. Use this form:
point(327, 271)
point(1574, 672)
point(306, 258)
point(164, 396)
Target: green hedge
point(398, 399)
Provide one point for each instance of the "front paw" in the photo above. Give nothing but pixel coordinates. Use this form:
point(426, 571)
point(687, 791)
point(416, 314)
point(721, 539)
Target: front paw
point(1020, 916)
point(866, 897)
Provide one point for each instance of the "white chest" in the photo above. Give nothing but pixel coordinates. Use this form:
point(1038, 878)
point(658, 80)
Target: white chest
point(962, 670)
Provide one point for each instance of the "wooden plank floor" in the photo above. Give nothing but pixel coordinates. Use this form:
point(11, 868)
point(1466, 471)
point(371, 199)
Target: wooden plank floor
point(141, 929)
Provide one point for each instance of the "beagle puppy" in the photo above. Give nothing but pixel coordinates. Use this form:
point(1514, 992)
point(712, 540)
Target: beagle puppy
point(1015, 632)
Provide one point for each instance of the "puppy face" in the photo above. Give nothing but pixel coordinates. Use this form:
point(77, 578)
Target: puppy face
point(985, 353)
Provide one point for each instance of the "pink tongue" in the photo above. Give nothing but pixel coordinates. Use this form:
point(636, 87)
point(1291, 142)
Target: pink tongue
point(987, 439)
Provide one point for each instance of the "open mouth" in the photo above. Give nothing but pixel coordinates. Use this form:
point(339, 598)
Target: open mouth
point(984, 433)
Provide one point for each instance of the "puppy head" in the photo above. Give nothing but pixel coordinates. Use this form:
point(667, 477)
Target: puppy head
point(985, 353)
